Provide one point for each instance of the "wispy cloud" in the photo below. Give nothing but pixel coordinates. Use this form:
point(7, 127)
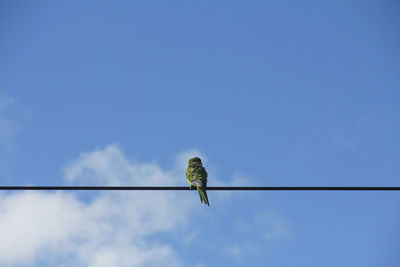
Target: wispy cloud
point(5, 101)
point(258, 233)
point(349, 135)
point(11, 122)
point(266, 225)
point(8, 126)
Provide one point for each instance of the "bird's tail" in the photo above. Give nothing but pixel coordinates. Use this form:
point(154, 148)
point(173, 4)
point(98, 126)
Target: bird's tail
point(203, 195)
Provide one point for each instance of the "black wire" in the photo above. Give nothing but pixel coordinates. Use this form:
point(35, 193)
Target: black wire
point(216, 188)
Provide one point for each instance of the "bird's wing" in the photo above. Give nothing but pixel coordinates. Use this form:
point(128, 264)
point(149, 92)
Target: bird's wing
point(205, 175)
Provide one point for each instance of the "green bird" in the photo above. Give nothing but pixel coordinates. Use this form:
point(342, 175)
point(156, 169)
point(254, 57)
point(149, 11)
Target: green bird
point(197, 176)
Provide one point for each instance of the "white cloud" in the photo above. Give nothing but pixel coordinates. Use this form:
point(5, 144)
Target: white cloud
point(32, 221)
point(111, 229)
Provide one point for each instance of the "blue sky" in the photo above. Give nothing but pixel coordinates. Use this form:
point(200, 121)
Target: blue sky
point(267, 92)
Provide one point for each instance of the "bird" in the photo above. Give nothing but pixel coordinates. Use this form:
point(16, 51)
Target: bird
point(197, 176)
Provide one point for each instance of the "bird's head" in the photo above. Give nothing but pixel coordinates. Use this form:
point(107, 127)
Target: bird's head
point(195, 160)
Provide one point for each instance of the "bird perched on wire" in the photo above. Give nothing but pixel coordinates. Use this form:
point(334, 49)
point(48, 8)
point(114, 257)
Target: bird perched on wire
point(197, 176)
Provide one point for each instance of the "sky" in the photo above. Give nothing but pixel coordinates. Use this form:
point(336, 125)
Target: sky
point(267, 93)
